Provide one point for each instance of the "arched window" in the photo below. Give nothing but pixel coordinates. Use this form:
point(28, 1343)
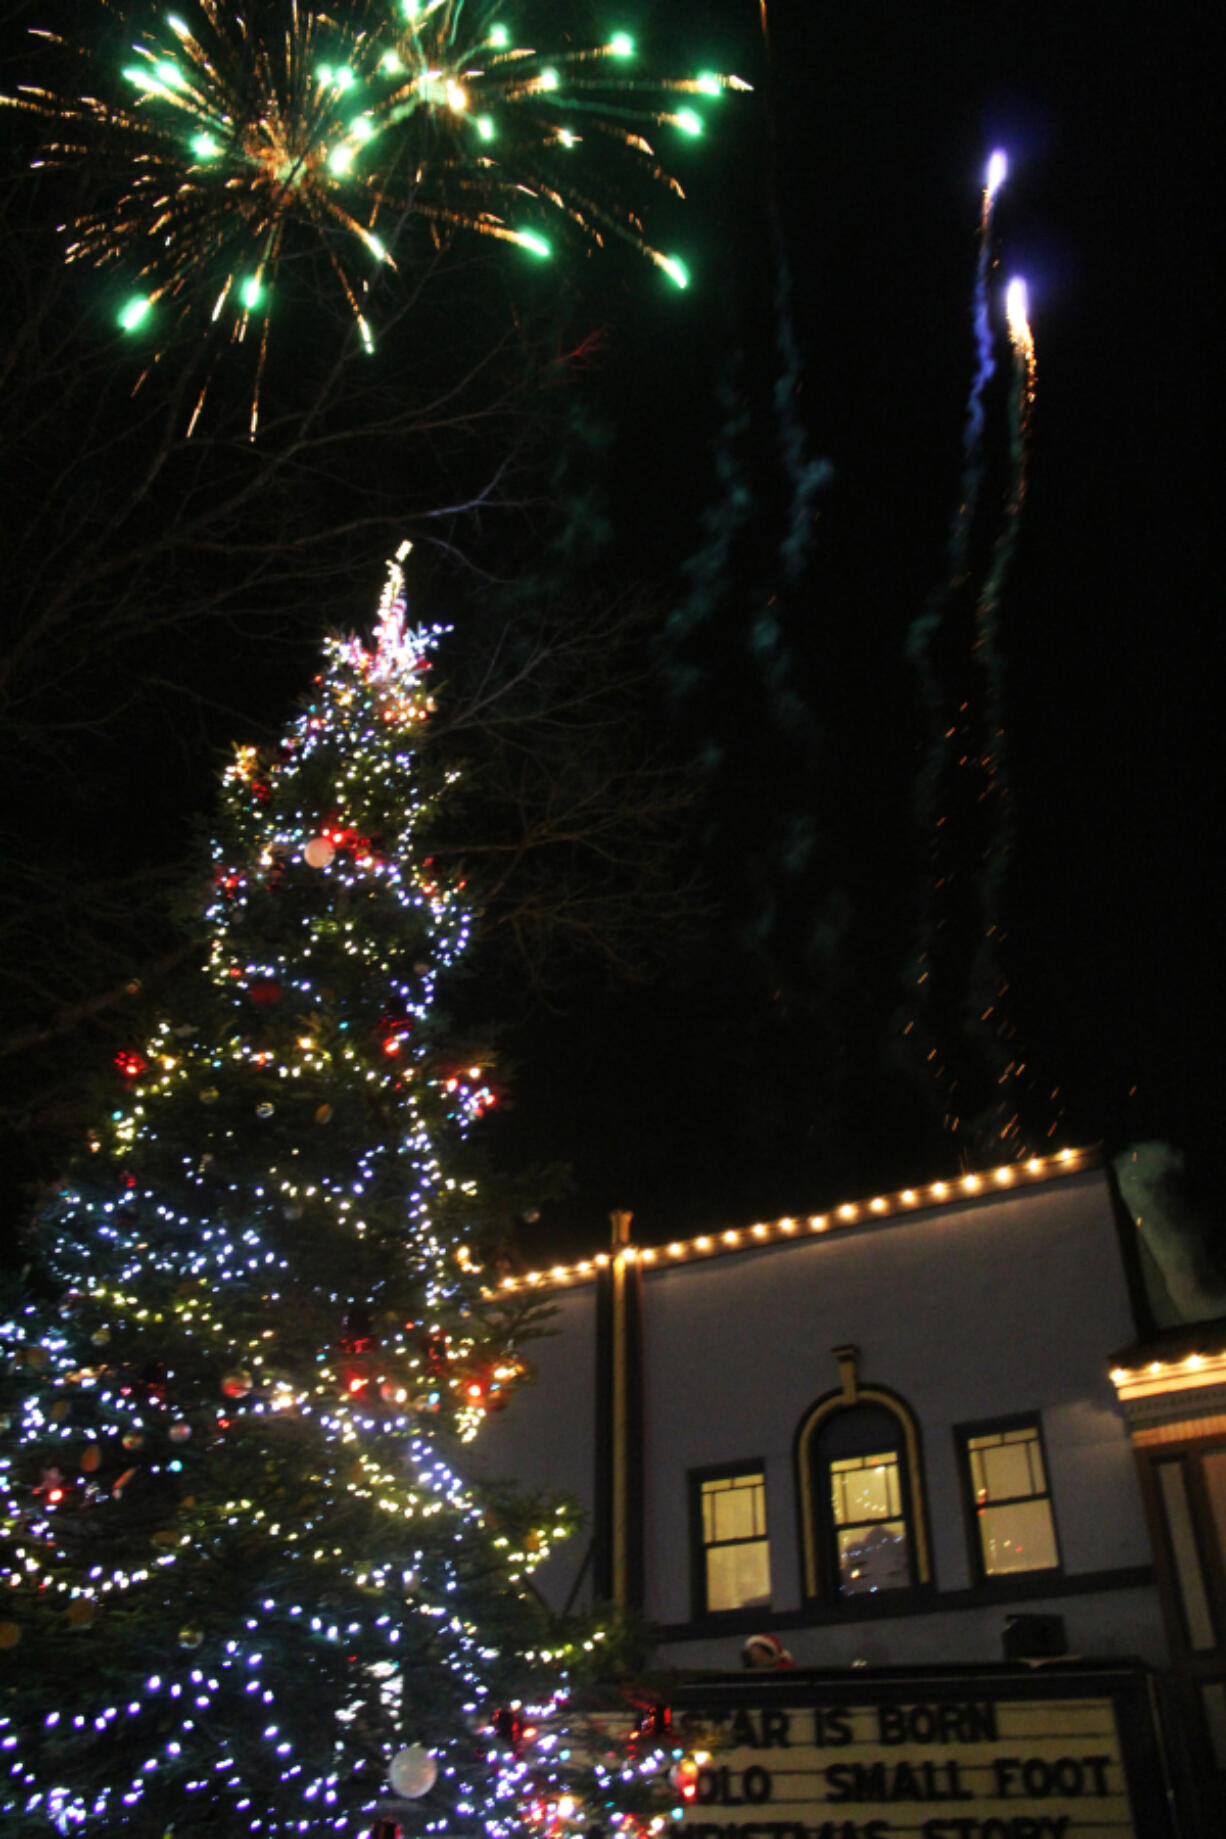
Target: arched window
point(860, 1486)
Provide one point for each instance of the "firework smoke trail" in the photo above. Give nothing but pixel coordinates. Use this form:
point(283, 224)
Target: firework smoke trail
point(926, 629)
point(741, 609)
point(987, 984)
point(972, 1043)
point(988, 649)
point(929, 639)
point(807, 477)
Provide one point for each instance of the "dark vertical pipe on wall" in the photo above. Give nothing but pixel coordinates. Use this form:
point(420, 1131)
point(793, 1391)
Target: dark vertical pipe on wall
point(618, 1541)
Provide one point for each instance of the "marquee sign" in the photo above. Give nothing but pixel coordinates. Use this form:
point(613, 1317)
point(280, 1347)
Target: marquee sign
point(1040, 1757)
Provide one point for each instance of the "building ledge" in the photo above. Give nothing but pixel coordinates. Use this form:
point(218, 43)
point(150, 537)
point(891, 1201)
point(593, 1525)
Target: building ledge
point(996, 1594)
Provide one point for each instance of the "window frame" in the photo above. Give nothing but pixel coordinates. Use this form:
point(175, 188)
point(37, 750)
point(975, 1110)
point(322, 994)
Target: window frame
point(723, 1471)
point(1004, 1583)
point(833, 1526)
point(816, 1533)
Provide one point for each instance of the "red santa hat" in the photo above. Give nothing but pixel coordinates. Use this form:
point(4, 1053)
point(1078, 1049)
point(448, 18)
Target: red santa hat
point(766, 1651)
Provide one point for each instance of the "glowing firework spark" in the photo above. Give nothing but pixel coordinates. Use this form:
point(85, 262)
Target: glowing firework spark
point(1017, 311)
point(997, 173)
point(230, 136)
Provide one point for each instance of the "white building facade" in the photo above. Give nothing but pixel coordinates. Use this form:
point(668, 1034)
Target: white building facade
point(889, 1436)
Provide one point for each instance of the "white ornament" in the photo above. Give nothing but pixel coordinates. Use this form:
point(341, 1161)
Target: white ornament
point(413, 1772)
point(318, 852)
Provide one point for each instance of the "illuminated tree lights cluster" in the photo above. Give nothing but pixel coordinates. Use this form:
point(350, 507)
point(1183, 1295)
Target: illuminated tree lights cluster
point(226, 133)
point(246, 1587)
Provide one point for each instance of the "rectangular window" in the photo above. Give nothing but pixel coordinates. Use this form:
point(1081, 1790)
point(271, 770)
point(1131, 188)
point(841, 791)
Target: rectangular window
point(870, 1530)
point(734, 1559)
point(1014, 1525)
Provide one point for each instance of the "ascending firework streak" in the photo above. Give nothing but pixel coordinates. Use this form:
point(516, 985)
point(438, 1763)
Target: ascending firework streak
point(232, 139)
point(929, 637)
point(926, 629)
point(987, 984)
point(963, 812)
point(987, 612)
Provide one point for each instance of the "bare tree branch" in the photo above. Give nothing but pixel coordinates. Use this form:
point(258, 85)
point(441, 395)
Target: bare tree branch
point(164, 593)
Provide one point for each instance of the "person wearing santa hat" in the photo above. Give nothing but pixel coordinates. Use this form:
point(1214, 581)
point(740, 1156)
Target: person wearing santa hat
point(765, 1654)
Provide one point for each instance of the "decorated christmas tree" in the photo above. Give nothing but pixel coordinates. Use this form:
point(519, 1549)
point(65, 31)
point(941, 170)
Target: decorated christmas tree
point(249, 1590)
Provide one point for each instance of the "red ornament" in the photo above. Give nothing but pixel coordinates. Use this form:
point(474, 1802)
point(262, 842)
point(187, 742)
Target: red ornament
point(130, 1063)
point(357, 1332)
point(265, 992)
point(511, 1728)
point(437, 1354)
point(396, 1031)
point(51, 1487)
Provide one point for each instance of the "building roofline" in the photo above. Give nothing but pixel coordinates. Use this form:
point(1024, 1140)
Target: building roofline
point(931, 1197)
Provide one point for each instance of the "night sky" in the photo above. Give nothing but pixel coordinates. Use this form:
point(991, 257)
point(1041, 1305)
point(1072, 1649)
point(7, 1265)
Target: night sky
point(779, 456)
point(764, 1077)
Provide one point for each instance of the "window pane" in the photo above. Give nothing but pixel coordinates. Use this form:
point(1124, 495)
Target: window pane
point(738, 1576)
point(1006, 1465)
point(864, 1488)
point(1187, 1558)
point(733, 1515)
point(736, 1556)
point(874, 1558)
point(1006, 1472)
point(1020, 1537)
